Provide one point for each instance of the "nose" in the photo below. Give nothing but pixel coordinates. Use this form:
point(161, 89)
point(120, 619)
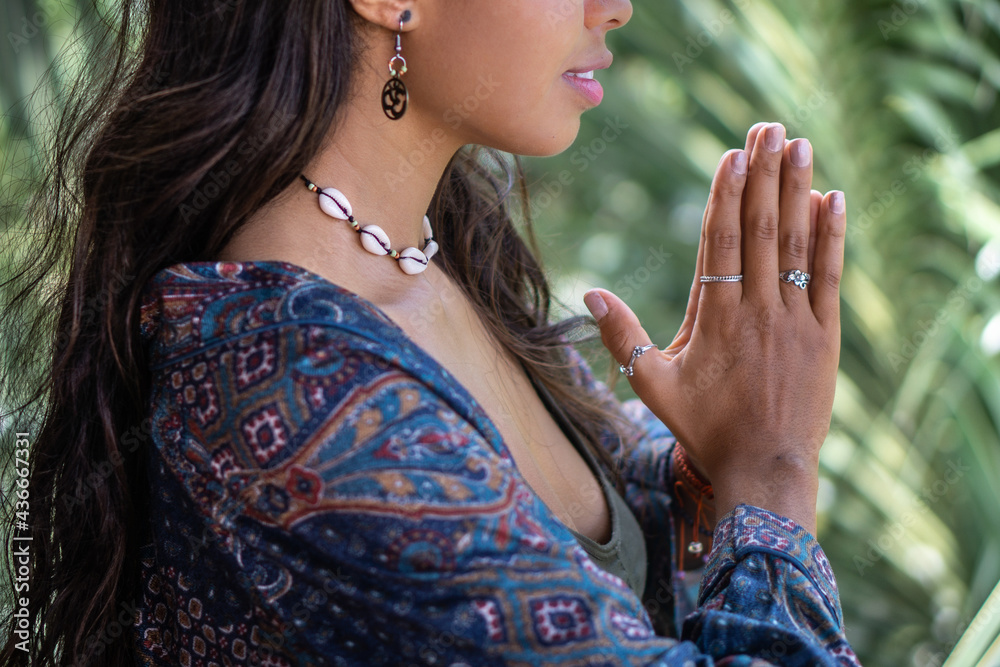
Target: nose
point(610, 13)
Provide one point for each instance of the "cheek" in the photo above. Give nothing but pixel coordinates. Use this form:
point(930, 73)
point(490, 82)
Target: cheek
point(498, 75)
point(534, 113)
point(528, 104)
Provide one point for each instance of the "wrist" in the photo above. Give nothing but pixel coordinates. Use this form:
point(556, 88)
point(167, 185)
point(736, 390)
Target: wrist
point(784, 485)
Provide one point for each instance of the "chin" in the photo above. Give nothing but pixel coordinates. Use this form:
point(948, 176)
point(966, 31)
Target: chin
point(540, 143)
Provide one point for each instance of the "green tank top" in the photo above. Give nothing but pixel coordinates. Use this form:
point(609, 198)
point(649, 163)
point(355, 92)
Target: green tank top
point(624, 554)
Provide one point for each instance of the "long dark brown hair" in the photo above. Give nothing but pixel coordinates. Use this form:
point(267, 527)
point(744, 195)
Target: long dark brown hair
point(172, 94)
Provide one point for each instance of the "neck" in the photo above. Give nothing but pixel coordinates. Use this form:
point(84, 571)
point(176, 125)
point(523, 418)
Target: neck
point(386, 174)
point(388, 171)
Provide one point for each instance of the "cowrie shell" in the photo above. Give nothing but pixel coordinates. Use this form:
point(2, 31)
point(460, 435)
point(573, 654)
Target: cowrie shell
point(330, 208)
point(412, 261)
point(375, 240)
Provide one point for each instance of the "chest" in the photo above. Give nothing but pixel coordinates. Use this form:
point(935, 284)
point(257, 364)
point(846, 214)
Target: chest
point(543, 454)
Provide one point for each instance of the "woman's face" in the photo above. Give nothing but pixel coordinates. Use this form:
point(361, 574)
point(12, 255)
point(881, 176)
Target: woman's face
point(493, 72)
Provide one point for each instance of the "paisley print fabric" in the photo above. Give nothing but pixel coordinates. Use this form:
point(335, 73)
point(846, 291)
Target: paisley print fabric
point(323, 492)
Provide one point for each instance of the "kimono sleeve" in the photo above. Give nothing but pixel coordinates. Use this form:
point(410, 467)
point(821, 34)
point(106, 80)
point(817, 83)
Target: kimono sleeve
point(391, 532)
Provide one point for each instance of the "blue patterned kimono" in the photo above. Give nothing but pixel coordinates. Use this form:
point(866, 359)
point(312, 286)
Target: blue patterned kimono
point(323, 492)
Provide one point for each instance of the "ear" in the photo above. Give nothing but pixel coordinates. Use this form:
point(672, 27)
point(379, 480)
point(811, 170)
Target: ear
point(386, 13)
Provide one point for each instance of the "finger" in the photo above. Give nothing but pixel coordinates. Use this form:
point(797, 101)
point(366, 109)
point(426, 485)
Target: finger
point(621, 333)
point(752, 137)
point(722, 228)
point(761, 214)
point(691, 312)
point(824, 285)
point(692, 306)
point(815, 200)
point(750, 143)
point(793, 219)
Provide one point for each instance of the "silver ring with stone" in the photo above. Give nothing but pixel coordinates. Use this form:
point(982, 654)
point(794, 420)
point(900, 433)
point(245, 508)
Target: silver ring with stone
point(723, 279)
point(798, 278)
point(637, 352)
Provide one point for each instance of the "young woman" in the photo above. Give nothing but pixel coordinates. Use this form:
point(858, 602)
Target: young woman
point(307, 406)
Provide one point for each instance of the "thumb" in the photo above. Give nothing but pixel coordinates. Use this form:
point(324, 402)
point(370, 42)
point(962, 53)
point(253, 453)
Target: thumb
point(621, 332)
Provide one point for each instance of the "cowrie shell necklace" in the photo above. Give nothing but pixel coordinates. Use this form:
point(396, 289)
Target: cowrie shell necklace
point(373, 238)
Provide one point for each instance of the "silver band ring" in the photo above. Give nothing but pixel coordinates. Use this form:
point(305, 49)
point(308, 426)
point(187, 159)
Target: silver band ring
point(637, 352)
point(799, 278)
point(722, 279)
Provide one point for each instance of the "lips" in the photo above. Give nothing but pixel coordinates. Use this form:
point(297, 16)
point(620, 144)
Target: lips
point(588, 87)
point(582, 78)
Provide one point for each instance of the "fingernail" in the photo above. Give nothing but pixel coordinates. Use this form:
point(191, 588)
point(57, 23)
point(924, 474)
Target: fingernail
point(740, 162)
point(774, 140)
point(837, 202)
point(595, 304)
point(800, 153)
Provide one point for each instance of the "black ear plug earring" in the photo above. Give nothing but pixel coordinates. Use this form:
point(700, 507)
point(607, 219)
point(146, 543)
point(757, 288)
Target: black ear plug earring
point(394, 94)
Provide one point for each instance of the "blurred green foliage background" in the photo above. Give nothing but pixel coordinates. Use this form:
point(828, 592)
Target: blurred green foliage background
point(899, 102)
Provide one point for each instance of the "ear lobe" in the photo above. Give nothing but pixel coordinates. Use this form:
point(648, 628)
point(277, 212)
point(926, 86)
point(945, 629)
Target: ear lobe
point(387, 13)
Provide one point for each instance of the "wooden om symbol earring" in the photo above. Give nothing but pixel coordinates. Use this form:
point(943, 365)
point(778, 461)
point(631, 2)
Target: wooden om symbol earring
point(394, 93)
